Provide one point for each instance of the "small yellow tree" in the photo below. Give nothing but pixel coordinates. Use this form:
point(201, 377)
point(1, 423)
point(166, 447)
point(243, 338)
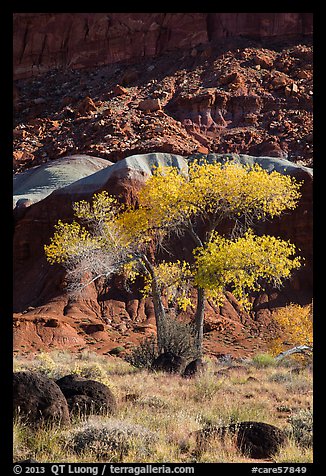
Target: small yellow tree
point(102, 246)
point(296, 326)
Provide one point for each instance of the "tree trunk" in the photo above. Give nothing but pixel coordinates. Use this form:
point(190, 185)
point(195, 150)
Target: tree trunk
point(200, 310)
point(159, 315)
point(199, 320)
point(158, 305)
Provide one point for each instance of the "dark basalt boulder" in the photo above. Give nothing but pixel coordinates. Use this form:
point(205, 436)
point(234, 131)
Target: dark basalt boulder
point(37, 398)
point(195, 367)
point(169, 362)
point(254, 439)
point(257, 439)
point(87, 396)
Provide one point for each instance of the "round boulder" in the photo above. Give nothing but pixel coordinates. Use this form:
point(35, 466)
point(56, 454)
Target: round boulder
point(257, 439)
point(87, 396)
point(195, 367)
point(37, 398)
point(169, 362)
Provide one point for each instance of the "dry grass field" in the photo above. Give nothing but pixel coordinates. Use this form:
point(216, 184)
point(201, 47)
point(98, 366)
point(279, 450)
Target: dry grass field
point(159, 413)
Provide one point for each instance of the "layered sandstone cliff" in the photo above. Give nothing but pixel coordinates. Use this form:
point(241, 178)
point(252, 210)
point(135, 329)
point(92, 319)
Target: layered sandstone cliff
point(43, 41)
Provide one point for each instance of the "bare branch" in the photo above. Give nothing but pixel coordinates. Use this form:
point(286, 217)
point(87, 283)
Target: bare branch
point(301, 349)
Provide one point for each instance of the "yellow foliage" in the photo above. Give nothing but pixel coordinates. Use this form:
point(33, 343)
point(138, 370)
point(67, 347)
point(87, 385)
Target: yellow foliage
point(135, 226)
point(244, 264)
point(67, 242)
point(163, 196)
point(296, 324)
point(130, 270)
point(229, 190)
point(104, 231)
point(172, 278)
point(171, 201)
point(104, 207)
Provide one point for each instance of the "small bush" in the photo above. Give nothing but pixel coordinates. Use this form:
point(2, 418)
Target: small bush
point(296, 324)
point(298, 385)
point(144, 354)
point(153, 401)
point(302, 428)
point(263, 361)
point(179, 338)
point(281, 377)
point(44, 364)
point(92, 371)
point(206, 386)
point(102, 438)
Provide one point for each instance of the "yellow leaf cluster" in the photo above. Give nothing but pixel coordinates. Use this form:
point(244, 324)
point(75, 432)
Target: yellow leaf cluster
point(296, 324)
point(67, 241)
point(173, 279)
point(134, 224)
point(103, 207)
point(235, 189)
point(244, 264)
point(103, 230)
point(169, 273)
point(229, 189)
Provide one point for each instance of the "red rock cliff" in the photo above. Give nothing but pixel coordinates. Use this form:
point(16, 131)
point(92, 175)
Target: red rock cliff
point(43, 41)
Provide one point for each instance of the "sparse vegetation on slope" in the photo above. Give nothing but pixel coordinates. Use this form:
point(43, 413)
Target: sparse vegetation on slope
point(162, 412)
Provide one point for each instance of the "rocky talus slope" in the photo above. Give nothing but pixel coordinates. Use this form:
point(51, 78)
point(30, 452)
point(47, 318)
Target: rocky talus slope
point(240, 101)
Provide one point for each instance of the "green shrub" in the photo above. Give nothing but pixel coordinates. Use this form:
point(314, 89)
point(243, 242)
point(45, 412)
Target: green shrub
point(263, 361)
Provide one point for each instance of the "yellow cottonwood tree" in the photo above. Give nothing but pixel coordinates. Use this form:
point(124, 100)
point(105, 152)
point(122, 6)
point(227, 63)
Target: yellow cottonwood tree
point(197, 203)
point(193, 203)
point(102, 246)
